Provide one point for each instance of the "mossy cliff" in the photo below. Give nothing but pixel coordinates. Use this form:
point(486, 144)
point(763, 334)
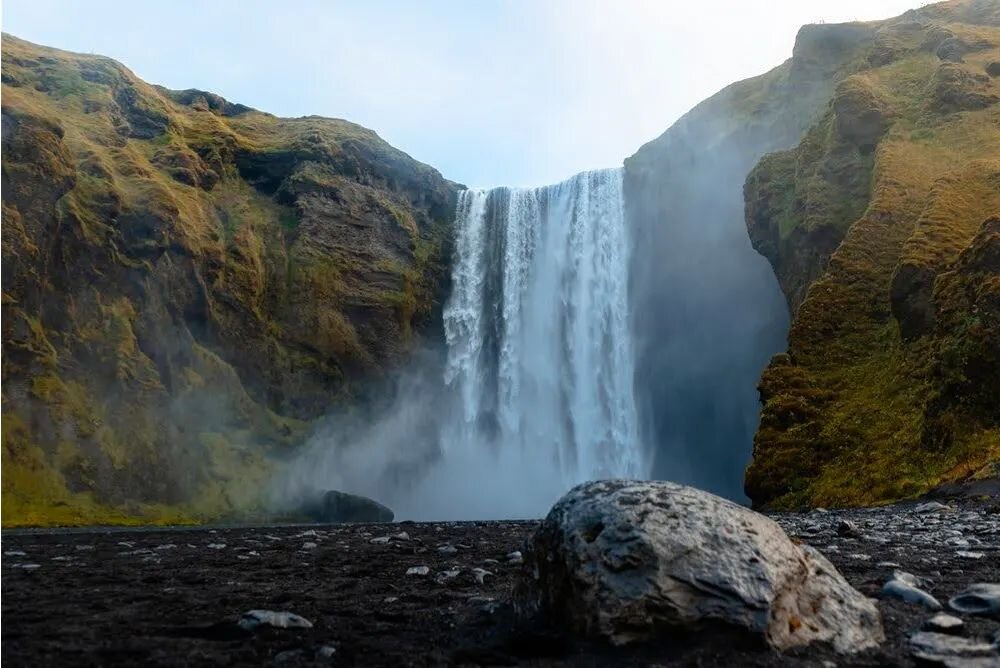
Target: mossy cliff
point(187, 283)
point(882, 227)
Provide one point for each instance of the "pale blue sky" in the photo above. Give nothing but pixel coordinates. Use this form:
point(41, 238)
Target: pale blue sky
point(519, 92)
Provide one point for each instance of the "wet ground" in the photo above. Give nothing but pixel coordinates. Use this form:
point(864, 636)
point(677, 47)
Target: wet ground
point(175, 597)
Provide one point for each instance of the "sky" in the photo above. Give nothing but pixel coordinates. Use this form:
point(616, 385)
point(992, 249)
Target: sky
point(522, 92)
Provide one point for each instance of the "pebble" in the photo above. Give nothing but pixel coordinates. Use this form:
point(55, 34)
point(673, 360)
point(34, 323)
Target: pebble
point(289, 655)
point(418, 570)
point(970, 555)
point(451, 574)
point(14, 553)
point(848, 528)
point(515, 557)
point(216, 546)
point(326, 651)
point(904, 591)
point(944, 623)
point(480, 574)
point(381, 540)
point(254, 619)
point(942, 649)
point(978, 599)
point(309, 545)
point(931, 507)
point(447, 549)
point(402, 535)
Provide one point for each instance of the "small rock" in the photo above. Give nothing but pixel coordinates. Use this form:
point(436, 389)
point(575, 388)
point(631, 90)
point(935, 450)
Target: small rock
point(848, 528)
point(905, 591)
point(402, 535)
point(978, 599)
point(216, 546)
point(931, 507)
point(254, 619)
point(944, 623)
point(418, 570)
point(391, 599)
point(309, 545)
point(84, 548)
point(167, 546)
point(943, 649)
point(381, 540)
point(326, 652)
point(14, 553)
point(887, 564)
point(964, 554)
point(515, 557)
point(860, 557)
point(447, 549)
point(288, 655)
point(444, 576)
point(28, 567)
point(480, 574)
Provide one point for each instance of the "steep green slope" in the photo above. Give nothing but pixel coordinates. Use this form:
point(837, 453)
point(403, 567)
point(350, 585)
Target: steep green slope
point(881, 227)
point(186, 284)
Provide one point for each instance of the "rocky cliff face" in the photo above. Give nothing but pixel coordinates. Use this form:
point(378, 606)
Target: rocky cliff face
point(707, 311)
point(882, 228)
point(187, 283)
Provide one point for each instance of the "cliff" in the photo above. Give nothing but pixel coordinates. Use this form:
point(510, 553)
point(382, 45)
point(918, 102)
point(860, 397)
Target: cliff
point(187, 283)
point(882, 227)
point(707, 311)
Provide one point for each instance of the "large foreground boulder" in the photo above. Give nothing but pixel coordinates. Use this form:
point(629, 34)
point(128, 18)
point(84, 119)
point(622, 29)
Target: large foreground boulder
point(342, 508)
point(626, 561)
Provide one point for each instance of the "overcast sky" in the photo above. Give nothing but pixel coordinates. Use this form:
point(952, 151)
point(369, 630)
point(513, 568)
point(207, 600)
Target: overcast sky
point(523, 92)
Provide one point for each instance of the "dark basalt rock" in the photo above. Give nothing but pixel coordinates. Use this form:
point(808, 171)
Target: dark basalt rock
point(343, 508)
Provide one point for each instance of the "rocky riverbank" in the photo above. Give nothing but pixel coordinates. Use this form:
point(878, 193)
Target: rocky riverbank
point(422, 594)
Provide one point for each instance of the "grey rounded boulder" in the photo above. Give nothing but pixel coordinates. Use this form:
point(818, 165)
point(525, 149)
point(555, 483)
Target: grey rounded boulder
point(626, 561)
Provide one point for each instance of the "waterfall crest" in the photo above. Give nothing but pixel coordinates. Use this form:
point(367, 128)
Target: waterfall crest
point(539, 347)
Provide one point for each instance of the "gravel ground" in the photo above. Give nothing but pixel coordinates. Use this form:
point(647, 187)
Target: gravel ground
point(175, 597)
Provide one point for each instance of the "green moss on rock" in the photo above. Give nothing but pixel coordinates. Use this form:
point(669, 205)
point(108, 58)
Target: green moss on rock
point(187, 284)
point(890, 382)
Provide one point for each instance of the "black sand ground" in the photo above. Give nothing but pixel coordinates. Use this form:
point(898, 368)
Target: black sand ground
point(173, 597)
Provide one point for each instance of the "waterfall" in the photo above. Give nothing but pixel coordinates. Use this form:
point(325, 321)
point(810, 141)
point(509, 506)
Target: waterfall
point(535, 394)
point(539, 347)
